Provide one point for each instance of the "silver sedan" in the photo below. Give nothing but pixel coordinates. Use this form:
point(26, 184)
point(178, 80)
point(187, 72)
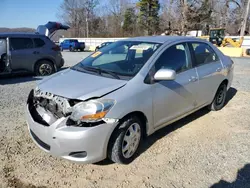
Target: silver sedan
point(105, 105)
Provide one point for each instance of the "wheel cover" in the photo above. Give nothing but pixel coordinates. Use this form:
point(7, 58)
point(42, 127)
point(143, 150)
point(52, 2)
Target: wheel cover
point(131, 140)
point(45, 69)
point(220, 97)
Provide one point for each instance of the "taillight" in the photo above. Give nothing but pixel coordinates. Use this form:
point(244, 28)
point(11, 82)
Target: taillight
point(56, 48)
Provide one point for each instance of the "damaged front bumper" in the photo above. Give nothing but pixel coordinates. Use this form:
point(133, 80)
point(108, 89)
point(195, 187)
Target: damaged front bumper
point(78, 144)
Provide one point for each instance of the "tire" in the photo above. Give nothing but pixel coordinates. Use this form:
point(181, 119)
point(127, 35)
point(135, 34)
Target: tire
point(82, 49)
point(219, 99)
point(44, 68)
point(71, 49)
point(130, 128)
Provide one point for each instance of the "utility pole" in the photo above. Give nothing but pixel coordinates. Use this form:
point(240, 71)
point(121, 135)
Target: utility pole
point(87, 27)
point(244, 22)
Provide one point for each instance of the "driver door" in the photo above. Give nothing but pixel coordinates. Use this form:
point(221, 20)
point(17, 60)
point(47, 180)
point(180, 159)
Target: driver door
point(174, 98)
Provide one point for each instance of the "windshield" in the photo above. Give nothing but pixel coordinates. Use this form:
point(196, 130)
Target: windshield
point(123, 58)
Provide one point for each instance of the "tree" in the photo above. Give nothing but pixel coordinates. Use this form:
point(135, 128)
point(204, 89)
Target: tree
point(199, 16)
point(149, 15)
point(126, 18)
point(129, 22)
point(78, 14)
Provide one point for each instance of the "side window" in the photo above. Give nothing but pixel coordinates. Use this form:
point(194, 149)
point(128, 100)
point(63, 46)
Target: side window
point(175, 57)
point(203, 53)
point(39, 43)
point(21, 43)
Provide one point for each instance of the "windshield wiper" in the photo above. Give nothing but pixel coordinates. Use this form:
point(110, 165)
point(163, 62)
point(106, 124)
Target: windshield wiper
point(100, 71)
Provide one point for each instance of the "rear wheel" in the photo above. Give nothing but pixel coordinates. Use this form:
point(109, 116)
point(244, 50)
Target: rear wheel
point(219, 99)
point(44, 68)
point(125, 141)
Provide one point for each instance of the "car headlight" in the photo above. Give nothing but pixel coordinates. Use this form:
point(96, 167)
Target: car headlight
point(91, 111)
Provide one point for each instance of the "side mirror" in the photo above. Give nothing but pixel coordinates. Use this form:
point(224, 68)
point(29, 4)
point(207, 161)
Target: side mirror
point(165, 74)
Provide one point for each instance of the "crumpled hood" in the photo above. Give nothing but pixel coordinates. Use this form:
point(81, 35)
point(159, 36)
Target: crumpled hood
point(78, 85)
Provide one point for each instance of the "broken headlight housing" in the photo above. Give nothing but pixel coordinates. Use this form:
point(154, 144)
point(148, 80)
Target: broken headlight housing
point(91, 111)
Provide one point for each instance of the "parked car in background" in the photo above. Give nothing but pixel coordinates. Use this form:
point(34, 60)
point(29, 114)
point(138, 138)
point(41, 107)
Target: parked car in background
point(31, 52)
point(106, 104)
point(72, 45)
point(102, 45)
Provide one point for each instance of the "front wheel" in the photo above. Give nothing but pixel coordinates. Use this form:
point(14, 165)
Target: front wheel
point(125, 141)
point(219, 99)
point(44, 68)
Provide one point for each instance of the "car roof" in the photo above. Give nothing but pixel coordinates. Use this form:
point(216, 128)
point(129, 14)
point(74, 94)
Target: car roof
point(163, 39)
point(20, 34)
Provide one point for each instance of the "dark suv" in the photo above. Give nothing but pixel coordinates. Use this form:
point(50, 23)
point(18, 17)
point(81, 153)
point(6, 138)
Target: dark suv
point(30, 52)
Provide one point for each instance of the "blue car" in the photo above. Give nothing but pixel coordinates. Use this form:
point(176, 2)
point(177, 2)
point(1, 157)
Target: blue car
point(72, 45)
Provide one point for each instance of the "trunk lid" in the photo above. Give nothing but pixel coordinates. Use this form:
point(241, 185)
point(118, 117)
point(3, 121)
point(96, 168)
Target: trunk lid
point(50, 28)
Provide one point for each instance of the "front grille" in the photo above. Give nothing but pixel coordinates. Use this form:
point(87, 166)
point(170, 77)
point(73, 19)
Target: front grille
point(50, 106)
point(40, 142)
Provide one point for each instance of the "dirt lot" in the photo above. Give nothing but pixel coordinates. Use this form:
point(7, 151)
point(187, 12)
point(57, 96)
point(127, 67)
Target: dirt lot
point(202, 150)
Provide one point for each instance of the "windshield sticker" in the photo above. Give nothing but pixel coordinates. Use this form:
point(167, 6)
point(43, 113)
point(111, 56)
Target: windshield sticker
point(96, 54)
point(140, 47)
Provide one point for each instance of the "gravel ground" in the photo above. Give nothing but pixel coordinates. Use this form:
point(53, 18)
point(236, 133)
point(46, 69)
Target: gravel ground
point(201, 150)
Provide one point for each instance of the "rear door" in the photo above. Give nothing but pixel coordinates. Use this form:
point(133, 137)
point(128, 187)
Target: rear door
point(40, 50)
point(209, 69)
point(23, 54)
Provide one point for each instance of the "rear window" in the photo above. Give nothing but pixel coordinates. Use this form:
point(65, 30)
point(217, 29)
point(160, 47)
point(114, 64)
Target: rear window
point(21, 43)
point(203, 53)
point(39, 42)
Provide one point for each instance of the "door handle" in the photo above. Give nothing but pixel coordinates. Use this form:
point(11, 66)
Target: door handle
point(218, 69)
point(193, 79)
